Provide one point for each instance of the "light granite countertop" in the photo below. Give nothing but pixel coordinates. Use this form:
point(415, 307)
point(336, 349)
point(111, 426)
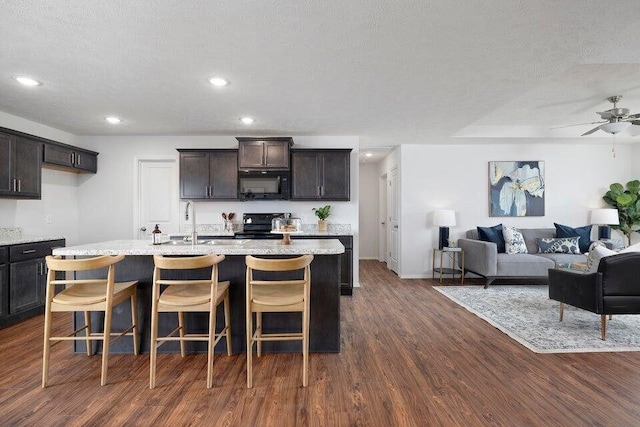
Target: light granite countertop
point(222, 247)
point(307, 230)
point(14, 236)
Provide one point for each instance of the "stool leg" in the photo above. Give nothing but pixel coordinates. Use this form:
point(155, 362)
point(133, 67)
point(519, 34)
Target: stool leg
point(47, 344)
point(227, 322)
point(249, 347)
point(259, 332)
point(210, 343)
point(87, 322)
point(183, 346)
point(105, 344)
point(305, 347)
point(134, 321)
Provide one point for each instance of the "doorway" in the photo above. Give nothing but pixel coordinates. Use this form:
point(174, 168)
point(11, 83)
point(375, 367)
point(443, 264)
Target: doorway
point(156, 198)
point(393, 226)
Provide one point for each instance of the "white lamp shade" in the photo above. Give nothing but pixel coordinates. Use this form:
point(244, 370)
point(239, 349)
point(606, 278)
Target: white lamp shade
point(605, 217)
point(615, 127)
point(444, 218)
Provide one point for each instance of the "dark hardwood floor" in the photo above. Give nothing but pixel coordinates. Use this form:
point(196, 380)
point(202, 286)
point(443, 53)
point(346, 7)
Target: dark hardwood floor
point(410, 357)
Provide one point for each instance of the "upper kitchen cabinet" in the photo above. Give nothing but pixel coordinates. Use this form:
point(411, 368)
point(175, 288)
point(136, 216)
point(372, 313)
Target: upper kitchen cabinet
point(320, 174)
point(208, 174)
point(20, 162)
point(70, 158)
point(263, 153)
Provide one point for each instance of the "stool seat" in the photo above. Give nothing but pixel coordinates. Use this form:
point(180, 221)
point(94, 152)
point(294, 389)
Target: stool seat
point(191, 295)
point(89, 293)
point(277, 295)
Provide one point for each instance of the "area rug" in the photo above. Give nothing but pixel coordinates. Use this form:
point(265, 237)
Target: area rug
point(527, 315)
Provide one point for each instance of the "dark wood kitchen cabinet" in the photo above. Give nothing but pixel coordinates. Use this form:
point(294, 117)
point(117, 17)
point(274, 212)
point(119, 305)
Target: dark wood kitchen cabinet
point(208, 174)
point(320, 174)
point(263, 153)
point(20, 162)
point(70, 158)
point(23, 280)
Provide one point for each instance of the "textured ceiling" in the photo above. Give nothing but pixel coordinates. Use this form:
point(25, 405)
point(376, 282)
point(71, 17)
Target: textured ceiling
point(390, 71)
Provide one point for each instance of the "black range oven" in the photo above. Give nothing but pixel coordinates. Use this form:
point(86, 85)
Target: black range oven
point(258, 226)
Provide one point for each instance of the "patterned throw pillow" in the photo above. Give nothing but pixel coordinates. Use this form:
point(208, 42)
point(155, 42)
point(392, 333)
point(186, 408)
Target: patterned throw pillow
point(566, 245)
point(513, 240)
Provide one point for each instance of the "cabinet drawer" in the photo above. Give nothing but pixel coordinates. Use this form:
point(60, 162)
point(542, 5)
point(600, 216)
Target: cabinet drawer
point(4, 255)
point(33, 250)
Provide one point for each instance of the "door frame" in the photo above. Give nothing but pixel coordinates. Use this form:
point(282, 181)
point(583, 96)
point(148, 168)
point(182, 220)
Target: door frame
point(138, 161)
point(382, 218)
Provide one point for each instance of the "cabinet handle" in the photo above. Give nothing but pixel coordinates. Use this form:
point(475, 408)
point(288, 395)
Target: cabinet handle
point(40, 269)
point(29, 251)
point(73, 158)
point(19, 186)
point(78, 159)
point(318, 190)
point(322, 190)
point(15, 181)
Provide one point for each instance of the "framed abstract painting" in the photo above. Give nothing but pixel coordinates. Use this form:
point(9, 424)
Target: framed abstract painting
point(516, 188)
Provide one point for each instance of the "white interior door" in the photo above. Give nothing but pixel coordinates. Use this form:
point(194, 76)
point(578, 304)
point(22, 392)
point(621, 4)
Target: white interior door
point(393, 253)
point(382, 197)
point(156, 199)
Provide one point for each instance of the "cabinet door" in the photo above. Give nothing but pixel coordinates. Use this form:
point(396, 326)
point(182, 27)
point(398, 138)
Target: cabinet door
point(6, 164)
point(194, 175)
point(24, 291)
point(85, 161)
point(28, 162)
point(224, 174)
point(276, 154)
point(335, 176)
point(251, 154)
point(4, 288)
point(57, 155)
point(305, 175)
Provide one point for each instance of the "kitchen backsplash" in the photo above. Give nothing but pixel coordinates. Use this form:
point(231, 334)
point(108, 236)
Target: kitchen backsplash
point(306, 228)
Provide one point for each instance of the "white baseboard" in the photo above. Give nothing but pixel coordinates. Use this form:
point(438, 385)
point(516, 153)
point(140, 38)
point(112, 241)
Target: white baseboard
point(370, 257)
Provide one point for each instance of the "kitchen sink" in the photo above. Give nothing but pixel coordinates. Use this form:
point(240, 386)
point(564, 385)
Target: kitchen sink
point(226, 242)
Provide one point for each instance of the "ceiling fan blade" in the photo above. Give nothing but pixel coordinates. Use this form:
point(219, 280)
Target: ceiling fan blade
point(635, 122)
point(591, 131)
point(605, 115)
point(577, 124)
point(634, 116)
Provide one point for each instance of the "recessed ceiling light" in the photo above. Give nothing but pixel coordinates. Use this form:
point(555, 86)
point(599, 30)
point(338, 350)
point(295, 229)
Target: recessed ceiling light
point(113, 120)
point(246, 120)
point(27, 81)
point(368, 154)
point(218, 81)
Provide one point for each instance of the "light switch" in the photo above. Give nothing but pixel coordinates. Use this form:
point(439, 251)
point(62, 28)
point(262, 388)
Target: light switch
point(48, 219)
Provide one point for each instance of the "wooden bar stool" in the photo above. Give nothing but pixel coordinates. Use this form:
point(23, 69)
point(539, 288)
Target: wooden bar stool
point(87, 295)
point(189, 296)
point(277, 296)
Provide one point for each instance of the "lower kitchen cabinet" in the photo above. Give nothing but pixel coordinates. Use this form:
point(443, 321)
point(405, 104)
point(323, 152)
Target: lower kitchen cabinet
point(23, 279)
point(346, 261)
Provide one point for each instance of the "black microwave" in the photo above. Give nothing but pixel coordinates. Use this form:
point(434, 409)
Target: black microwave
point(263, 185)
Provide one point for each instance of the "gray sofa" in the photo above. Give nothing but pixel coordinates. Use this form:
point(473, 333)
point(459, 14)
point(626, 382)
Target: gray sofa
point(482, 258)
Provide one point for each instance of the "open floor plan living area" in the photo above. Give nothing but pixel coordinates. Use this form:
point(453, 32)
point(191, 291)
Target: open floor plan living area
point(311, 213)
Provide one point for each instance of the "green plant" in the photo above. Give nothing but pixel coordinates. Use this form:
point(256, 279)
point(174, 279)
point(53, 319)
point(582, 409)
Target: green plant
point(627, 201)
point(323, 212)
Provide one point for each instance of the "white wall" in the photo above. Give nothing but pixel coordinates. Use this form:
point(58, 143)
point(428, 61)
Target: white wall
point(58, 191)
point(106, 199)
point(456, 177)
point(368, 222)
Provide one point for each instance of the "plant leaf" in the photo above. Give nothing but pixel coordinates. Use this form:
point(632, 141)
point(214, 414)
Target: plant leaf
point(633, 186)
point(616, 188)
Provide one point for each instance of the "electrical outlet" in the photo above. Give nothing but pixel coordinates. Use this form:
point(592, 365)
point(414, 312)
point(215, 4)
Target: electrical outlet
point(48, 219)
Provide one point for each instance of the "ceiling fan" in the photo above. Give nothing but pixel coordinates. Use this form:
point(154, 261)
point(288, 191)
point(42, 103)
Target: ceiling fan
point(614, 120)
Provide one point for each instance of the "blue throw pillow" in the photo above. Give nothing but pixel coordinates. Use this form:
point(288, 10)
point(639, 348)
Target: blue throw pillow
point(583, 232)
point(493, 234)
point(559, 245)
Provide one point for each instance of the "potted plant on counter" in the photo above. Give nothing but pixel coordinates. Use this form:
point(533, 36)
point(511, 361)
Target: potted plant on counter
point(322, 213)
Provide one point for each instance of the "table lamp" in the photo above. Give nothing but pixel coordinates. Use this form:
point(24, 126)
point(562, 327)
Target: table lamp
point(604, 218)
point(444, 219)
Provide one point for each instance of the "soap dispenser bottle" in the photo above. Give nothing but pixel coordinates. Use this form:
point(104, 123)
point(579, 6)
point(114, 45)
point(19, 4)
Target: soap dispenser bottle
point(156, 235)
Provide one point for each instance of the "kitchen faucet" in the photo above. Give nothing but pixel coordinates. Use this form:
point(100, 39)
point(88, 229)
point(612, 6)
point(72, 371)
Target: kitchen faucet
point(194, 235)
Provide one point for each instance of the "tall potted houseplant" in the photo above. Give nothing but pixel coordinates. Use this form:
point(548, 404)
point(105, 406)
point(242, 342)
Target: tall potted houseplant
point(322, 213)
point(627, 201)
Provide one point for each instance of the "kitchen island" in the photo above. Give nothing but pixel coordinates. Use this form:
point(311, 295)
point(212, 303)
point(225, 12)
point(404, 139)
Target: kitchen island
point(138, 265)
